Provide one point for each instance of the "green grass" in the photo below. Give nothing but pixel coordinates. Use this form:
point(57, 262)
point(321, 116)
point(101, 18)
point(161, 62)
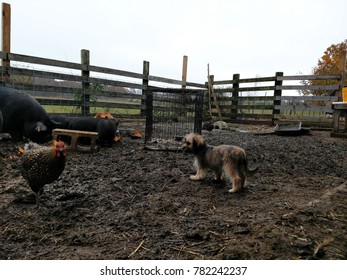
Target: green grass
point(52, 109)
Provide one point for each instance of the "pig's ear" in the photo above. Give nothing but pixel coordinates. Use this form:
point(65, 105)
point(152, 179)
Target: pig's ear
point(39, 126)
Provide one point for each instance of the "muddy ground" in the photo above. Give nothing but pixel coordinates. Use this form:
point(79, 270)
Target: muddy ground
point(126, 202)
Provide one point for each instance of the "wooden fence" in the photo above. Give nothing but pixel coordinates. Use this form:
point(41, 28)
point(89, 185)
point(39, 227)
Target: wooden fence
point(84, 89)
point(270, 99)
point(88, 90)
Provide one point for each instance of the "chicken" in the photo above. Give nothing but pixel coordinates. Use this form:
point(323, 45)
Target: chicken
point(43, 165)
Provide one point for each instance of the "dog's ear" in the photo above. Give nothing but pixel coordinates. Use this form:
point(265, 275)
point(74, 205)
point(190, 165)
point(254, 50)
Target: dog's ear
point(195, 145)
point(198, 142)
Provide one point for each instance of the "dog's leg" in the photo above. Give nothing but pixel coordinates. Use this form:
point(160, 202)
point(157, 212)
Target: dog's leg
point(235, 177)
point(237, 184)
point(218, 174)
point(200, 172)
point(243, 180)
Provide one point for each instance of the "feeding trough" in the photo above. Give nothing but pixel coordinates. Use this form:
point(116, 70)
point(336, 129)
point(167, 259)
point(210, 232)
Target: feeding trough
point(290, 129)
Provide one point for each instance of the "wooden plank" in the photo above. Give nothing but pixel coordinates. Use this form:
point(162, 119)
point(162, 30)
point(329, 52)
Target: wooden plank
point(47, 89)
point(196, 85)
point(249, 80)
point(310, 77)
point(308, 98)
point(265, 88)
point(277, 92)
point(120, 95)
point(340, 106)
point(249, 107)
point(174, 101)
point(342, 70)
point(44, 74)
point(6, 28)
point(44, 61)
point(174, 82)
point(116, 83)
point(85, 73)
point(3, 55)
point(235, 93)
point(178, 91)
point(313, 87)
point(243, 89)
point(184, 71)
point(145, 93)
point(115, 105)
point(166, 109)
point(58, 102)
point(307, 107)
point(164, 80)
point(6, 40)
point(242, 99)
point(213, 94)
point(116, 72)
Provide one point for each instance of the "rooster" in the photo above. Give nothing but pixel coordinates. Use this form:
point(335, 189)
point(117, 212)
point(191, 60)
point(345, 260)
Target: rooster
point(42, 165)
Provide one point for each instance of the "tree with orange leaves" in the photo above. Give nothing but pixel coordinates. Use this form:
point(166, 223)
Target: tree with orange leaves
point(328, 64)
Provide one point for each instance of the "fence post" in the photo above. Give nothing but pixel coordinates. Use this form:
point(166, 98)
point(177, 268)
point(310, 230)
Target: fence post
point(235, 100)
point(199, 106)
point(277, 93)
point(183, 96)
point(211, 89)
point(147, 103)
point(85, 97)
point(184, 71)
point(6, 39)
point(343, 74)
point(145, 73)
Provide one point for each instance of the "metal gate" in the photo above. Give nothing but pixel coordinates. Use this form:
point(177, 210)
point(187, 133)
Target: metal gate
point(172, 113)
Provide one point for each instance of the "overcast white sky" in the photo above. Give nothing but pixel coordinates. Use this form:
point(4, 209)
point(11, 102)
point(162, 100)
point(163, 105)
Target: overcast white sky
point(248, 37)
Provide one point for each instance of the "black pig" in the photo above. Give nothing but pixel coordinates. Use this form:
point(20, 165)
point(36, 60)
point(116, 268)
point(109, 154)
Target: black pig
point(106, 128)
point(22, 116)
point(106, 132)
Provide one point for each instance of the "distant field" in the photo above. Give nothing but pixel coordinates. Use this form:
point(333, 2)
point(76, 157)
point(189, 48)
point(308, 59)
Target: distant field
point(53, 109)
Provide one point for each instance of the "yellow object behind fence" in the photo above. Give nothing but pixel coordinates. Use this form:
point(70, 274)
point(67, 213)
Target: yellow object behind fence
point(344, 94)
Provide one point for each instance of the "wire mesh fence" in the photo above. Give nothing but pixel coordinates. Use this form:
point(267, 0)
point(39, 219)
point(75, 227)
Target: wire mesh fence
point(172, 113)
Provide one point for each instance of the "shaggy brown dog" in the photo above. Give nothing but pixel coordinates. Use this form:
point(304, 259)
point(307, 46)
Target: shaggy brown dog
point(230, 159)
